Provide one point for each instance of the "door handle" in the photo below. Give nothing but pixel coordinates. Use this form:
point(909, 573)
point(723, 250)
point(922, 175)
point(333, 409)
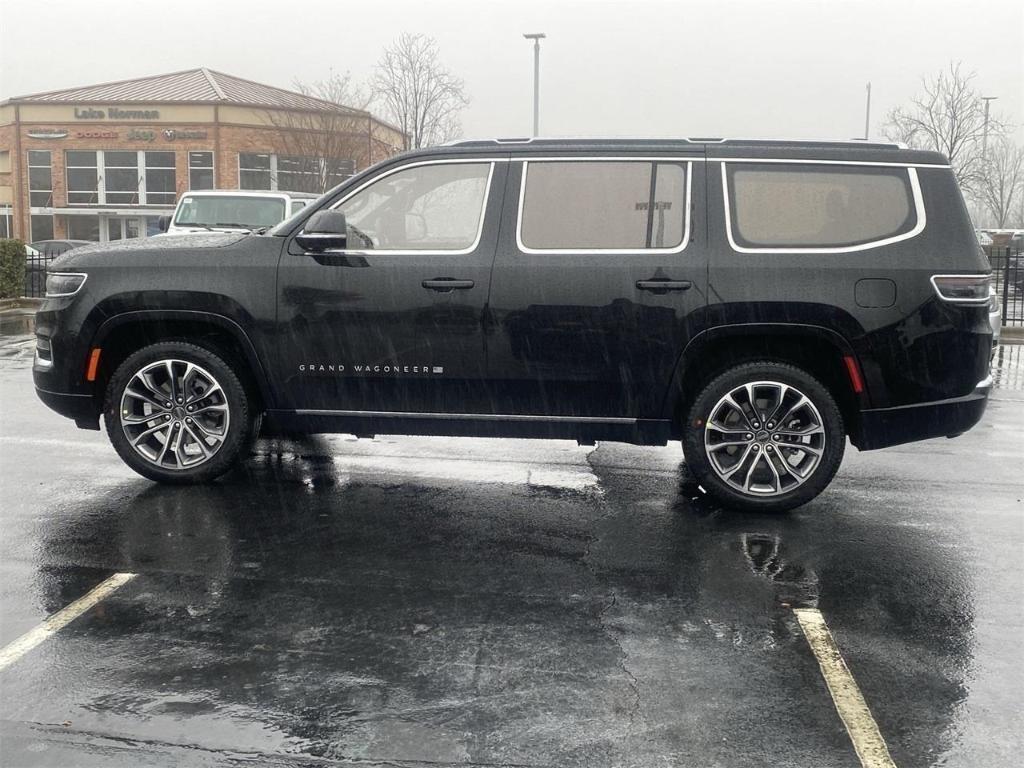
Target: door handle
point(663, 285)
point(447, 284)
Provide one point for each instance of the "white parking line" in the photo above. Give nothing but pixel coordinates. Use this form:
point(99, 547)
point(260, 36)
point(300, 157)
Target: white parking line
point(853, 710)
point(18, 648)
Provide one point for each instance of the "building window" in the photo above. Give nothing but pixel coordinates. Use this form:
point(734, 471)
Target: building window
point(200, 170)
point(160, 179)
point(42, 228)
point(5, 223)
point(83, 228)
point(298, 174)
point(294, 173)
point(129, 177)
point(121, 178)
point(83, 177)
point(40, 178)
point(255, 171)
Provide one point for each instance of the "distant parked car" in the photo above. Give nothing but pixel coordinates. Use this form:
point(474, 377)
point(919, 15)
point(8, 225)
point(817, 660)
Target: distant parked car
point(232, 210)
point(41, 253)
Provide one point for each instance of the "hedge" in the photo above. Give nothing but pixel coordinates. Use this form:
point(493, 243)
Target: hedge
point(12, 268)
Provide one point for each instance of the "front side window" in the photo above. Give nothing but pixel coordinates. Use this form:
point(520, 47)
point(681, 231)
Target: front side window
point(780, 206)
point(603, 205)
point(40, 178)
point(437, 207)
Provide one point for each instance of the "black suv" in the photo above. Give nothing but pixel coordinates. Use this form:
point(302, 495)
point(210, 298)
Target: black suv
point(759, 300)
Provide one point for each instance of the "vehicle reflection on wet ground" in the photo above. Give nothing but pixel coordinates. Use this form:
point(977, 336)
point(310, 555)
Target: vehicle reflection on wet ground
point(413, 601)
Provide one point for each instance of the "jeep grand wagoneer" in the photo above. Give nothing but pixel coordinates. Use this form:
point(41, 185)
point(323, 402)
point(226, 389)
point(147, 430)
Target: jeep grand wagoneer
point(761, 301)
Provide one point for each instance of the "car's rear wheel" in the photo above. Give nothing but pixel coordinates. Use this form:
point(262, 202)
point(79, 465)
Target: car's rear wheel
point(177, 413)
point(764, 437)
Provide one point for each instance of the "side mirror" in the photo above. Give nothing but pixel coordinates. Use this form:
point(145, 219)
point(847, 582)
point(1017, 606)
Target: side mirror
point(324, 230)
point(164, 223)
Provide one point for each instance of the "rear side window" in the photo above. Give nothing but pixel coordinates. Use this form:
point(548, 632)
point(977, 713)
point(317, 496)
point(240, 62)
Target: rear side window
point(820, 207)
point(607, 206)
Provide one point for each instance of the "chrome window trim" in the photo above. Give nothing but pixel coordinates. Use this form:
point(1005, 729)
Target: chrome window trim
point(915, 189)
point(490, 161)
point(679, 160)
point(812, 161)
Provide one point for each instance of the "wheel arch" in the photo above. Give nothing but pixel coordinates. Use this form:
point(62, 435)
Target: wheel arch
point(121, 335)
point(819, 351)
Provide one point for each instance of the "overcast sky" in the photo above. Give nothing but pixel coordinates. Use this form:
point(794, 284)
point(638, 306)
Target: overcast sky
point(771, 68)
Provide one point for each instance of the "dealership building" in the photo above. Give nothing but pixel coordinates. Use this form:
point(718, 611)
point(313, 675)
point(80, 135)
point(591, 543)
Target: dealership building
point(104, 162)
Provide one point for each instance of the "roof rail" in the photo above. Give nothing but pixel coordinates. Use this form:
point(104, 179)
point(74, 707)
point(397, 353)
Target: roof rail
point(667, 140)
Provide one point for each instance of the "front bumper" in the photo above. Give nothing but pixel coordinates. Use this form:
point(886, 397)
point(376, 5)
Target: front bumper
point(885, 427)
point(82, 408)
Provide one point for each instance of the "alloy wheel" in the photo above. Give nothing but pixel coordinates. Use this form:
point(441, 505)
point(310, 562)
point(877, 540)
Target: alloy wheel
point(174, 414)
point(764, 438)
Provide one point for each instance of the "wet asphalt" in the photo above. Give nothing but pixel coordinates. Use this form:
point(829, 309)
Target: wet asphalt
point(455, 602)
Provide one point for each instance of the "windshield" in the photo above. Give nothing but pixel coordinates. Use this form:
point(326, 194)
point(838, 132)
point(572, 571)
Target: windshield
point(241, 211)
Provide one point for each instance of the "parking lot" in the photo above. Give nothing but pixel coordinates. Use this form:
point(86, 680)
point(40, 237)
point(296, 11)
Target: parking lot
point(457, 602)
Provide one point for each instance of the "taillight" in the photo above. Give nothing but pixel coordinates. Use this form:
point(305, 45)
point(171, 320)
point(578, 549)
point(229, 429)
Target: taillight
point(963, 289)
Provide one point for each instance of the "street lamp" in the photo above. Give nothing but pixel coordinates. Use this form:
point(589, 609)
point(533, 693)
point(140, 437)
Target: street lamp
point(984, 132)
point(536, 37)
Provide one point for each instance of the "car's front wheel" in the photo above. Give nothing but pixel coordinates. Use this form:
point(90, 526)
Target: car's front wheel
point(764, 437)
point(177, 413)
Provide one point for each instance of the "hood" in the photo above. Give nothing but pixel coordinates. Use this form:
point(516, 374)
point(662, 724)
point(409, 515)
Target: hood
point(109, 253)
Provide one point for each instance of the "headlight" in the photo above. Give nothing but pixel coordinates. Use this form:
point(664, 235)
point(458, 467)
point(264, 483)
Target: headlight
point(64, 283)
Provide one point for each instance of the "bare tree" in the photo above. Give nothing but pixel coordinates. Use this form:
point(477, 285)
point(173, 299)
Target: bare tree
point(417, 93)
point(324, 144)
point(949, 117)
point(1001, 180)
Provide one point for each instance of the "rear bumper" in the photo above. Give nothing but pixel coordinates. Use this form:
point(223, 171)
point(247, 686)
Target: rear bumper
point(885, 427)
point(81, 408)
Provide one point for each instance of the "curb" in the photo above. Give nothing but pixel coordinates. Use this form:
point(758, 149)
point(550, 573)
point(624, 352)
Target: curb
point(21, 303)
point(1011, 335)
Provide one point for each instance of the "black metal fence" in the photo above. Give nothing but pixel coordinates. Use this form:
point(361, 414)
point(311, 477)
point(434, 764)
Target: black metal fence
point(1008, 274)
point(35, 274)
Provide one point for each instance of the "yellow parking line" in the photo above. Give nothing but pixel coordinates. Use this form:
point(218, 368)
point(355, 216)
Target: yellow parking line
point(853, 710)
point(18, 648)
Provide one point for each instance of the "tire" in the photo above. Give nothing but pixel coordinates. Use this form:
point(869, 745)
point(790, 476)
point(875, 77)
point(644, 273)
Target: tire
point(761, 468)
point(201, 436)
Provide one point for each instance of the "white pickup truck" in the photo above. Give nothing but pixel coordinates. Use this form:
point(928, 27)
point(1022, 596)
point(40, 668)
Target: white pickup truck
point(232, 210)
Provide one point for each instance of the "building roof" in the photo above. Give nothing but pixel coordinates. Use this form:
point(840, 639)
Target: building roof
point(191, 86)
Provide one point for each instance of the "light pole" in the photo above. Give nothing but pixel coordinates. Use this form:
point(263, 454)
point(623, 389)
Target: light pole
point(536, 37)
point(984, 131)
point(867, 115)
